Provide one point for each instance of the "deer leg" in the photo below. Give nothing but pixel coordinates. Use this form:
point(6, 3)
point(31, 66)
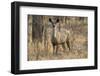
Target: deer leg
point(53, 49)
point(68, 44)
point(56, 49)
point(64, 47)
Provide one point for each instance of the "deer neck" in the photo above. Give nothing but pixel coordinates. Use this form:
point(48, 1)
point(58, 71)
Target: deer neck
point(54, 32)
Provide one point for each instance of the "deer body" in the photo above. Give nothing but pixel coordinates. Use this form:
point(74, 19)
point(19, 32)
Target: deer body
point(59, 37)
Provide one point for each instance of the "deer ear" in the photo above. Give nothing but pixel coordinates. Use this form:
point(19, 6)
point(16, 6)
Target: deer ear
point(57, 20)
point(50, 20)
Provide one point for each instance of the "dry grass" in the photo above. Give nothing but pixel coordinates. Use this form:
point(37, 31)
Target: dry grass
point(46, 53)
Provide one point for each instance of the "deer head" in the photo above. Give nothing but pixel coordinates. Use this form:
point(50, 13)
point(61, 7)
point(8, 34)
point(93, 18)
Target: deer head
point(54, 22)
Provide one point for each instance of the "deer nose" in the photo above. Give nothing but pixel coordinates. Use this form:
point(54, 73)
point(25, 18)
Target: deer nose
point(53, 25)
